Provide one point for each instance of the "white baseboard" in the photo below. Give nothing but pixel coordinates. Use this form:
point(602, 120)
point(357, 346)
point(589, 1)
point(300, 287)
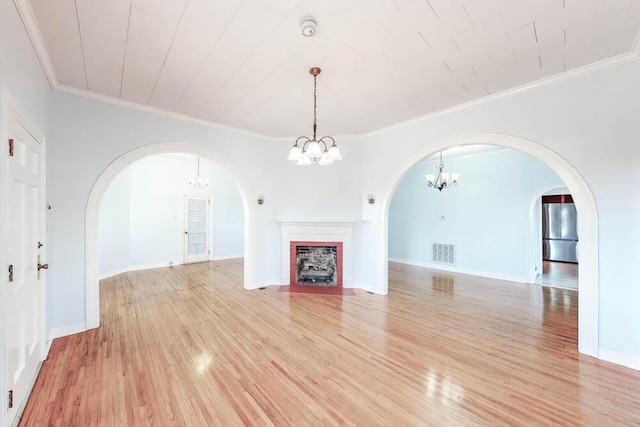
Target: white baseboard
point(628, 360)
point(264, 283)
point(223, 257)
point(454, 269)
point(138, 267)
point(63, 331)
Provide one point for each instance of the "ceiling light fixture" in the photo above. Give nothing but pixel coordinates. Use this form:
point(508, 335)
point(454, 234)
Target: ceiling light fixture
point(444, 179)
point(314, 150)
point(197, 183)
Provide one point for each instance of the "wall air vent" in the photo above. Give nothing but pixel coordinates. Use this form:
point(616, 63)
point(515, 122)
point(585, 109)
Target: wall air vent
point(443, 253)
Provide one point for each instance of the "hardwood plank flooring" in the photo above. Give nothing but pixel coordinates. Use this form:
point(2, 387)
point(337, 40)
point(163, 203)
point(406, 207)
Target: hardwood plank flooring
point(559, 274)
point(187, 346)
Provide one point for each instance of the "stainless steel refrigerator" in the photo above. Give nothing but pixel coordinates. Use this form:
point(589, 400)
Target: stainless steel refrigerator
point(559, 229)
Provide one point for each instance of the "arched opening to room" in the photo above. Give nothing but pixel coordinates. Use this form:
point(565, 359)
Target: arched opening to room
point(584, 202)
point(151, 217)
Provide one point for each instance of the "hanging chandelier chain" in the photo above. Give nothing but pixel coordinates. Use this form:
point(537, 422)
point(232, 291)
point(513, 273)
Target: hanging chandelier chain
point(315, 104)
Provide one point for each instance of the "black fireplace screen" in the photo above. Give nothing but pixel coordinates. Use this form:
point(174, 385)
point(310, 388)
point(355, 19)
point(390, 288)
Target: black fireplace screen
point(316, 265)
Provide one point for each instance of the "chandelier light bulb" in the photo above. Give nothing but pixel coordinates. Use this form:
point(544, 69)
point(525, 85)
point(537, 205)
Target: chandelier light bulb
point(313, 150)
point(430, 178)
point(334, 153)
point(295, 153)
point(325, 159)
point(304, 160)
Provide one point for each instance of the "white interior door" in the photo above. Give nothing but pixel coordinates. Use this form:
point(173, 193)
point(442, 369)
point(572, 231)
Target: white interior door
point(196, 228)
point(24, 293)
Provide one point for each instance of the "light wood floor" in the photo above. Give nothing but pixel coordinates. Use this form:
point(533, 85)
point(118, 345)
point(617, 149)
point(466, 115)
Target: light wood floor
point(187, 346)
point(560, 274)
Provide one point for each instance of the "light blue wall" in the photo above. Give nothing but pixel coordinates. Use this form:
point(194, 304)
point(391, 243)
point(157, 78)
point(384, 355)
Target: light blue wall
point(486, 216)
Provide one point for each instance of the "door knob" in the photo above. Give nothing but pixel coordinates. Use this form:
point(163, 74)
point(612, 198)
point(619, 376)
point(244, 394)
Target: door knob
point(43, 266)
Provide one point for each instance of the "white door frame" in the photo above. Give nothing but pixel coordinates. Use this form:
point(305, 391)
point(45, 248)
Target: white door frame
point(9, 109)
point(534, 253)
point(185, 225)
point(585, 204)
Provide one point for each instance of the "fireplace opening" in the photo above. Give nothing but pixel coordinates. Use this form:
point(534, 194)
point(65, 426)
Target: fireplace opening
point(316, 264)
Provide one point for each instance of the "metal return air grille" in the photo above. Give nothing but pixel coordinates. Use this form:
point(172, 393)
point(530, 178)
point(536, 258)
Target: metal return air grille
point(443, 253)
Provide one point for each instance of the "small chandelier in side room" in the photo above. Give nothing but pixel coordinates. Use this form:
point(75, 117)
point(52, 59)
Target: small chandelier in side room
point(307, 150)
point(198, 183)
point(444, 179)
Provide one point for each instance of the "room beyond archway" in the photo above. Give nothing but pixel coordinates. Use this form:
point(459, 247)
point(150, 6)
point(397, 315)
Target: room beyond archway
point(585, 204)
point(151, 217)
point(93, 211)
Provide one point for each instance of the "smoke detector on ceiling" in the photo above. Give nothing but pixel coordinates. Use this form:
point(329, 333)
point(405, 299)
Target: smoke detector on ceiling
point(308, 26)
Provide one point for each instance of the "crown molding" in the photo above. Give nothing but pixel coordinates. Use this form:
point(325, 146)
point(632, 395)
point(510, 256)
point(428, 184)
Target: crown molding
point(30, 23)
point(635, 46)
point(527, 87)
point(69, 90)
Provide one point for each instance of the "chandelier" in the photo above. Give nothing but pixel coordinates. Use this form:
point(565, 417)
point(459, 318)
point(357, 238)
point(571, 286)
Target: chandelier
point(444, 179)
point(197, 183)
point(306, 150)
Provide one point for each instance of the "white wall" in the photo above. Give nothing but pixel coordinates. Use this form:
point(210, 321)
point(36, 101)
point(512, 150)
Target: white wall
point(142, 214)
point(114, 226)
point(486, 216)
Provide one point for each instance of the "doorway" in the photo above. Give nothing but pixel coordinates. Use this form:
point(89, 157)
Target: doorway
point(100, 188)
point(23, 237)
point(585, 204)
point(559, 234)
point(196, 228)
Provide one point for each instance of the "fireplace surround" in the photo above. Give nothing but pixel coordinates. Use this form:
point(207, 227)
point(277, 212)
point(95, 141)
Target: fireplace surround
point(321, 233)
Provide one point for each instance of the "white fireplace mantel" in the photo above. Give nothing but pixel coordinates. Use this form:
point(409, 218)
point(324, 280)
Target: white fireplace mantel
point(318, 231)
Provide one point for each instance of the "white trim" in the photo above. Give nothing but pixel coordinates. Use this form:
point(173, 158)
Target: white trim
point(138, 268)
point(63, 331)
point(31, 25)
point(628, 360)
point(318, 231)
point(635, 47)
point(534, 256)
point(209, 222)
point(527, 87)
point(158, 111)
point(454, 269)
point(264, 284)
point(10, 110)
point(224, 257)
point(585, 205)
point(92, 294)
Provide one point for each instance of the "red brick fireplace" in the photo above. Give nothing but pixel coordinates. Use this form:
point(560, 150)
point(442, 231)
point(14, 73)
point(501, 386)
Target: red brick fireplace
point(316, 264)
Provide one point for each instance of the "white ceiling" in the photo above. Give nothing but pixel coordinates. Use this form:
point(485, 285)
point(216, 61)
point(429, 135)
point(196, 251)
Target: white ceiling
point(244, 63)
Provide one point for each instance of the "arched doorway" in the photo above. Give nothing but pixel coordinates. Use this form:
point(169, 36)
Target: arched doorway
point(92, 294)
point(585, 204)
